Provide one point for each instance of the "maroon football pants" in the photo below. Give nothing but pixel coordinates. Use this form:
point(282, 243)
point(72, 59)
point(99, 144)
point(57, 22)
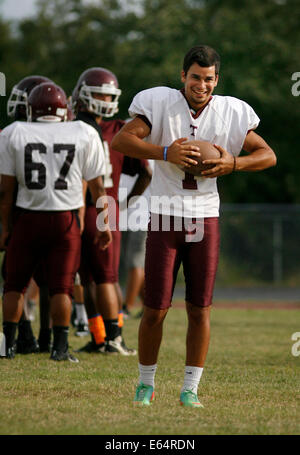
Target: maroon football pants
point(167, 249)
point(51, 238)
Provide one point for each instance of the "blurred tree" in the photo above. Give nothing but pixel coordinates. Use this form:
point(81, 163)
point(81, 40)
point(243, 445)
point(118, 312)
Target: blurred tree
point(144, 41)
point(6, 63)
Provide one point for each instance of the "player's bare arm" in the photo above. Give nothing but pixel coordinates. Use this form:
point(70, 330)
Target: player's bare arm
point(7, 187)
point(81, 210)
point(103, 238)
point(129, 140)
point(143, 180)
point(259, 156)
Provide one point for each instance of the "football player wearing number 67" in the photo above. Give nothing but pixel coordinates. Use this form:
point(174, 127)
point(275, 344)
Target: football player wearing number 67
point(47, 158)
point(170, 118)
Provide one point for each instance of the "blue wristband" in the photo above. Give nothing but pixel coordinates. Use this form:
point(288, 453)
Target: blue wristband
point(165, 153)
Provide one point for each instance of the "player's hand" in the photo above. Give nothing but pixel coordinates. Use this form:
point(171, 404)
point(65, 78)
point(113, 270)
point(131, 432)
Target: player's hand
point(81, 220)
point(180, 153)
point(223, 165)
point(4, 240)
point(103, 239)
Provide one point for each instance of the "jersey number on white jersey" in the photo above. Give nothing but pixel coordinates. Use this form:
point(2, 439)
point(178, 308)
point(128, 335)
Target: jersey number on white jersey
point(33, 168)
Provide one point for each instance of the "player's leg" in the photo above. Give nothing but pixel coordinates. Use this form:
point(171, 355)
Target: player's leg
point(95, 321)
point(135, 281)
point(89, 262)
point(30, 300)
point(45, 319)
point(108, 307)
point(20, 261)
point(198, 335)
point(12, 307)
point(151, 328)
point(116, 266)
point(135, 255)
point(26, 341)
point(160, 278)
point(200, 262)
point(61, 307)
point(105, 273)
point(81, 315)
point(41, 278)
point(119, 294)
point(63, 262)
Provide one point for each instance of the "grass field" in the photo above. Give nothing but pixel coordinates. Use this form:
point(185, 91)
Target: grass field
point(250, 384)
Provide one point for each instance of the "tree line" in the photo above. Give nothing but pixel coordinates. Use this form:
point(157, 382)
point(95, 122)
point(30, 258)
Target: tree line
point(143, 42)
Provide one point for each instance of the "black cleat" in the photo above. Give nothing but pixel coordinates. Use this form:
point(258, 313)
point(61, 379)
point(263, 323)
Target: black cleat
point(30, 346)
point(63, 355)
point(44, 340)
point(91, 346)
point(118, 346)
point(44, 347)
point(9, 353)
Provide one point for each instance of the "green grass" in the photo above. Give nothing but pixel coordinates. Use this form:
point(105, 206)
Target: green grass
point(250, 384)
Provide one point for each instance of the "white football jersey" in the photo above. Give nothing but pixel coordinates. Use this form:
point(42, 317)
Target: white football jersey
point(225, 121)
point(49, 161)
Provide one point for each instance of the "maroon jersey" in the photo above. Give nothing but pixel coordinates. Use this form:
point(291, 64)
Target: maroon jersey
point(117, 162)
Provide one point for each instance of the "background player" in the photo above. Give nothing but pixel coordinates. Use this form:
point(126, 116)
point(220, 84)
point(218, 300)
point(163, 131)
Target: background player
point(132, 261)
point(95, 99)
point(168, 117)
point(17, 110)
point(48, 158)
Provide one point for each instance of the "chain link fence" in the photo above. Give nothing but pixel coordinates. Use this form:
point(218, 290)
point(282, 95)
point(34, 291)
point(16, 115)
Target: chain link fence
point(259, 245)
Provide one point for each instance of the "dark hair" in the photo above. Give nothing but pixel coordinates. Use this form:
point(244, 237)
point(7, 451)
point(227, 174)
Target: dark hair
point(203, 55)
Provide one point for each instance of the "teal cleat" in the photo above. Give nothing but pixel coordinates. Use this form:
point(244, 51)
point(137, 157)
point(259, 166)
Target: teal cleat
point(190, 399)
point(144, 394)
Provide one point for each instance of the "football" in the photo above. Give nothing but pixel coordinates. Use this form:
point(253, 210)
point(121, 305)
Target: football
point(208, 151)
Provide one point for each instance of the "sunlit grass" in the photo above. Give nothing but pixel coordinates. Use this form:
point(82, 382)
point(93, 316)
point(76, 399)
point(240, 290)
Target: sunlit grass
point(250, 384)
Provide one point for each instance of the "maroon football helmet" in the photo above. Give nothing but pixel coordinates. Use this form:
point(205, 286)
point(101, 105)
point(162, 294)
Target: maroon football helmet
point(47, 103)
point(17, 102)
point(96, 80)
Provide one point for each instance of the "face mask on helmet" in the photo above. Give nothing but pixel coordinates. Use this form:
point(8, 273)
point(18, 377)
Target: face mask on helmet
point(100, 107)
point(17, 98)
point(17, 102)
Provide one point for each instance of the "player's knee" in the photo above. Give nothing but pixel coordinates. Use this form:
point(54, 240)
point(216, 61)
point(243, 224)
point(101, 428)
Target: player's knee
point(61, 290)
point(198, 314)
point(153, 317)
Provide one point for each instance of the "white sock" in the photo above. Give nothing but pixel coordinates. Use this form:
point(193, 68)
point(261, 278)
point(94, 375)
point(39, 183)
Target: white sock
point(192, 378)
point(81, 313)
point(147, 373)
